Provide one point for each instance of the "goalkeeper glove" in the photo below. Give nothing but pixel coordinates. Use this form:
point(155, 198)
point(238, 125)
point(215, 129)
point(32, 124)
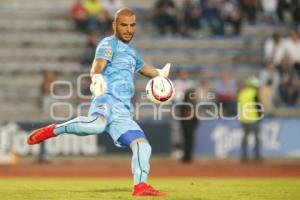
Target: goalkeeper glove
point(98, 85)
point(164, 72)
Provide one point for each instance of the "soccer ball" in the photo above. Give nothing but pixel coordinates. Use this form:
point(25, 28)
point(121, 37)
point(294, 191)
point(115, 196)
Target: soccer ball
point(160, 90)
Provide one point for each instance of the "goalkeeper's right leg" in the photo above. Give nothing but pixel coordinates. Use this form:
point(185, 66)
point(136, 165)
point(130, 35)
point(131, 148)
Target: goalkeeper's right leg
point(79, 126)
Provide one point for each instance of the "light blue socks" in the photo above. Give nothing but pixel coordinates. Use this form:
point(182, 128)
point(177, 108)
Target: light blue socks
point(140, 162)
point(93, 125)
point(81, 126)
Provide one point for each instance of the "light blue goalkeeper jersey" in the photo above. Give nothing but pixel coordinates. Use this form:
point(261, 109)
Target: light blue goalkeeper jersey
point(123, 62)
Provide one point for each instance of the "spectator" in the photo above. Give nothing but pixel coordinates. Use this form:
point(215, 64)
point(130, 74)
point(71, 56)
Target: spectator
point(240, 84)
point(288, 88)
point(85, 90)
point(191, 14)
point(285, 71)
point(266, 97)
point(90, 49)
point(292, 47)
point(204, 95)
point(49, 78)
point(270, 74)
point(269, 8)
point(249, 9)
point(225, 88)
point(204, 92)
point(274, 49)
point(211, 16)
point(182, 84)
point(110, 7)
point(296, 14)
point(98, 17)
point(167, 16)
point(289, 93)
point(79, 16)
point(249, 116)
point(188, 124)
point(283, 5)
point(93, 7)
point(231, 14)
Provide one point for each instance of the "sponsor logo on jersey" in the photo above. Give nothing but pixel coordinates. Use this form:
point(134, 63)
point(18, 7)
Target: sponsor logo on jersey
point(107, 52)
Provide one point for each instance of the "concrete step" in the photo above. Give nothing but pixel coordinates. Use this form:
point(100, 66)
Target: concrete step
point(36, 25)
point(264, 30)
point(58, 39)
point(36, 5)
point(21, 114)
point(287, 112)
point(145, 28)
point(32, 96)
point(169, 43)
point(23, 81)
point(45, 39)
point(18, 105)
point(179, 60)
point(68, 47)
point(34, 66)
point(247, 30)
point(40, 54)
point(33, 13)
point(66, 3)
point(200, 59)
point(15, 99)
point(71, 55)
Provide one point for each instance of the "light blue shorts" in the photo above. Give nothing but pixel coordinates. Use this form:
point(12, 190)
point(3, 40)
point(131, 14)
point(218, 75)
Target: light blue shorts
point(118, 116)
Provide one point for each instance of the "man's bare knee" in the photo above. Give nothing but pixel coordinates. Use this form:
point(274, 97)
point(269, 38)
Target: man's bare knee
point(138, 140)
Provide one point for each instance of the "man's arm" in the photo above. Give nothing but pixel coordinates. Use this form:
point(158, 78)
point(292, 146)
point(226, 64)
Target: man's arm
point(151, 72)
point(98, 66)
point(98, 85)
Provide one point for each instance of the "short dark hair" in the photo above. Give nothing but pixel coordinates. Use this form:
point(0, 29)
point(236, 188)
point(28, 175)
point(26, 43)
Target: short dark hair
point(123, 11)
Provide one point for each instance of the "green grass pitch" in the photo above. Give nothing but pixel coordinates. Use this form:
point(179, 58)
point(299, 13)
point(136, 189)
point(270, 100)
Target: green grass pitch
point(177, 188)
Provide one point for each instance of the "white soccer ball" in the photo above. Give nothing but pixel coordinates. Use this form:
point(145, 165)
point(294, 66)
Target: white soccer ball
point(160, 90)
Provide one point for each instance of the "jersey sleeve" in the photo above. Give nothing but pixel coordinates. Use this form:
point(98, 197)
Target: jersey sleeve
point(139, 63)
point(105, 49)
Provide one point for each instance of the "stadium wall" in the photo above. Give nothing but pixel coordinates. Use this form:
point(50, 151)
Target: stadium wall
point(13, 136)
point(222, 138)
point(215, 138)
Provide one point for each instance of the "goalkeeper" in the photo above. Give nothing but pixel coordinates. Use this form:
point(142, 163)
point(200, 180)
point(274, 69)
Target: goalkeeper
point(112, 74)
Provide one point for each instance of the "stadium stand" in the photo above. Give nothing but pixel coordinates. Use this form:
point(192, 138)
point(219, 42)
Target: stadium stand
point(39, 35)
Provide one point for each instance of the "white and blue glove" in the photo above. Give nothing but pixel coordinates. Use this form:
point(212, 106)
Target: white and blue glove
point(164, 72)
point(98, 85)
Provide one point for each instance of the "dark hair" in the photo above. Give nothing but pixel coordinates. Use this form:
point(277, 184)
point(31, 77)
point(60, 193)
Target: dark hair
point(123, 11)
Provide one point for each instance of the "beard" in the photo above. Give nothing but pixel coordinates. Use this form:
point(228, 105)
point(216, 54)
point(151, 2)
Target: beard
point(122, 38)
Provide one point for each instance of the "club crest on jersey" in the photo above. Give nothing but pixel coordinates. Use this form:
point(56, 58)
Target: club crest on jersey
point(107, 52)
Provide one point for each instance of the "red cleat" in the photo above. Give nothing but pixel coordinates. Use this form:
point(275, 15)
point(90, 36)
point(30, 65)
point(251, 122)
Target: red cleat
point(142, 189)
point(41, 134)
